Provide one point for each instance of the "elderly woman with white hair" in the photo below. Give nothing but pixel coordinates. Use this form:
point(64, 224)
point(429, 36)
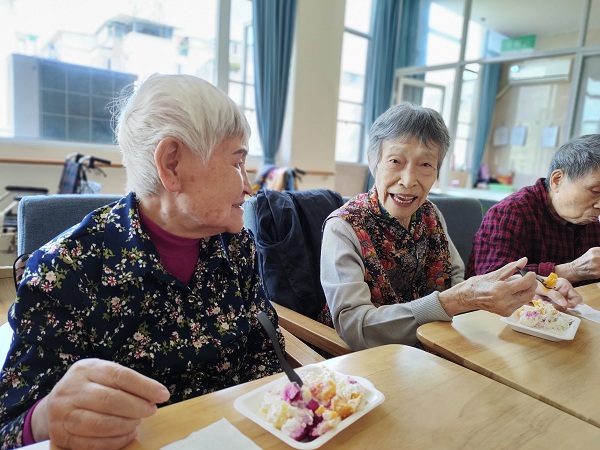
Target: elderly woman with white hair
point(152, 299)
point(387, 262)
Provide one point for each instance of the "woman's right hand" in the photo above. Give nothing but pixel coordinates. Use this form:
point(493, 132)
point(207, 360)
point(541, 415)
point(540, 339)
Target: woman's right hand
point(97, 404)
point(495, 292)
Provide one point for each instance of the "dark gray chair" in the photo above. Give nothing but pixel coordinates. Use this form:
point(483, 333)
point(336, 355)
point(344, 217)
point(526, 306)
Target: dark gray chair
point(302, 326)
point(463, 217)
point(42, 217)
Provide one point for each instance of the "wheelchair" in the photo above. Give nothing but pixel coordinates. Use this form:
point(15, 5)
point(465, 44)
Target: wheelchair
point(74, 180)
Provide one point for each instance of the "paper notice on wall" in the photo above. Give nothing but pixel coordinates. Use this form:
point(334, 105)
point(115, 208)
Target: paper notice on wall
point(500, 137)
point(518, 136)
point(549, 137)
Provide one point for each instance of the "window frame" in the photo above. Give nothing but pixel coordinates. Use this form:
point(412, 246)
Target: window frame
point(361, 157)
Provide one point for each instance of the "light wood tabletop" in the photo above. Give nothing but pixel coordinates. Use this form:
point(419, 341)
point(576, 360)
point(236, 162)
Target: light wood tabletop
point(563, 374)
point(430, 403)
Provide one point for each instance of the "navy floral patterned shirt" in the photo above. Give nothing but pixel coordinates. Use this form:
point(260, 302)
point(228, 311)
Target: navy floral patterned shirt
point(99, 290)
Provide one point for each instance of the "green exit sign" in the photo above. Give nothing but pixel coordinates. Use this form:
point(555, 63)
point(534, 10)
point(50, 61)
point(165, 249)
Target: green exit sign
point(519, 43)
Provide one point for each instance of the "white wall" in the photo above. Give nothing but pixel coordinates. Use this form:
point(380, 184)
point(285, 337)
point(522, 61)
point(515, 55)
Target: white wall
point(310, 132)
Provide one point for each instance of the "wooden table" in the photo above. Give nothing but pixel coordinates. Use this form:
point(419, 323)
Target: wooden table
point(430, 403)
point(563, 374)
point(590, 294)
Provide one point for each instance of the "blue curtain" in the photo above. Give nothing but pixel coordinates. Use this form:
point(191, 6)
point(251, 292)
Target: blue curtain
point(413, 43)
point(385, 27)
point(274, 22)
point(399, 30)
point(490, 77)
point(413, 33)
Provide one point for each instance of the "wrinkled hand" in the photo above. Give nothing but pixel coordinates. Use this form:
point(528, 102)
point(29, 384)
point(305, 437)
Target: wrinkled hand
point(496, 291)
point(586, 267)
point(96, 405)
point(563, 295)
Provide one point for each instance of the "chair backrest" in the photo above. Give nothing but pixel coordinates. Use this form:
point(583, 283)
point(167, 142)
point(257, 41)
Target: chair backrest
point(281, 262)
point(42, 217)
point(7, 297)
point(288, 230)
point(6, 334)
point(463, 217)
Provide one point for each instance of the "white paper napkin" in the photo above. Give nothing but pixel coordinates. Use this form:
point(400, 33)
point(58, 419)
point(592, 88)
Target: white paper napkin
point(587, 312)
point(220, 435)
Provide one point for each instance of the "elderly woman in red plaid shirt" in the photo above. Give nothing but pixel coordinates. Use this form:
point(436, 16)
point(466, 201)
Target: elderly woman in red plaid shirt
point(554, 223)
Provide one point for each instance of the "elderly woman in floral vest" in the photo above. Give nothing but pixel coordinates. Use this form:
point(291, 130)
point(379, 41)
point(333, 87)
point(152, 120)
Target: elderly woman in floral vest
point(387, 262)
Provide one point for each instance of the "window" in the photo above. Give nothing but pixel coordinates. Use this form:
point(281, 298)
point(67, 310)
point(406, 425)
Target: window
point(484, 100)
point(62, 61)
point(465, 131)
point(350, 123)
point(443, 38)
point(241, 67)
point(587, 118)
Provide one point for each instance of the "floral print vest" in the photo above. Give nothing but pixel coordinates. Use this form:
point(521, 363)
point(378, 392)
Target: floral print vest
point(401, 265)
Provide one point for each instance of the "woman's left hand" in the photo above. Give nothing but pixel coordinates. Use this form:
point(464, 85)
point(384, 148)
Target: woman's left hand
point(563, 295)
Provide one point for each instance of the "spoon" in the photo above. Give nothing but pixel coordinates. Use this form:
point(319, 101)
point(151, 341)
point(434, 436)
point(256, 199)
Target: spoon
point(270, 329)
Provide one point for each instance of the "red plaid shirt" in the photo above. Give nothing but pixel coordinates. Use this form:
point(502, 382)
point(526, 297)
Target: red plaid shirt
point(523, 225)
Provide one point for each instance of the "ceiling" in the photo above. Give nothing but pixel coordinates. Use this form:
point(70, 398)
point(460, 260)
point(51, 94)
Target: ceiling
point(515, 18)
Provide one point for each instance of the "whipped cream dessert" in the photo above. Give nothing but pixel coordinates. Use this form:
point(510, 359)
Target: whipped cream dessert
point(542, 315)
point(307, 412)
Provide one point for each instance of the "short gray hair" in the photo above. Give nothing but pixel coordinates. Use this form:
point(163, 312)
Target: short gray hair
point(577, 158)
point(403, 122)
point(184, 107)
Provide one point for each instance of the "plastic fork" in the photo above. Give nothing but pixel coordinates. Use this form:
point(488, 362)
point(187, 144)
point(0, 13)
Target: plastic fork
point(270, 329)
point(523, 272)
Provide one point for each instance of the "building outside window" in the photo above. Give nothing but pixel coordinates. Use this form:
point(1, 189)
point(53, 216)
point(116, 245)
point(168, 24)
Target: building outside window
point(62, 62)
